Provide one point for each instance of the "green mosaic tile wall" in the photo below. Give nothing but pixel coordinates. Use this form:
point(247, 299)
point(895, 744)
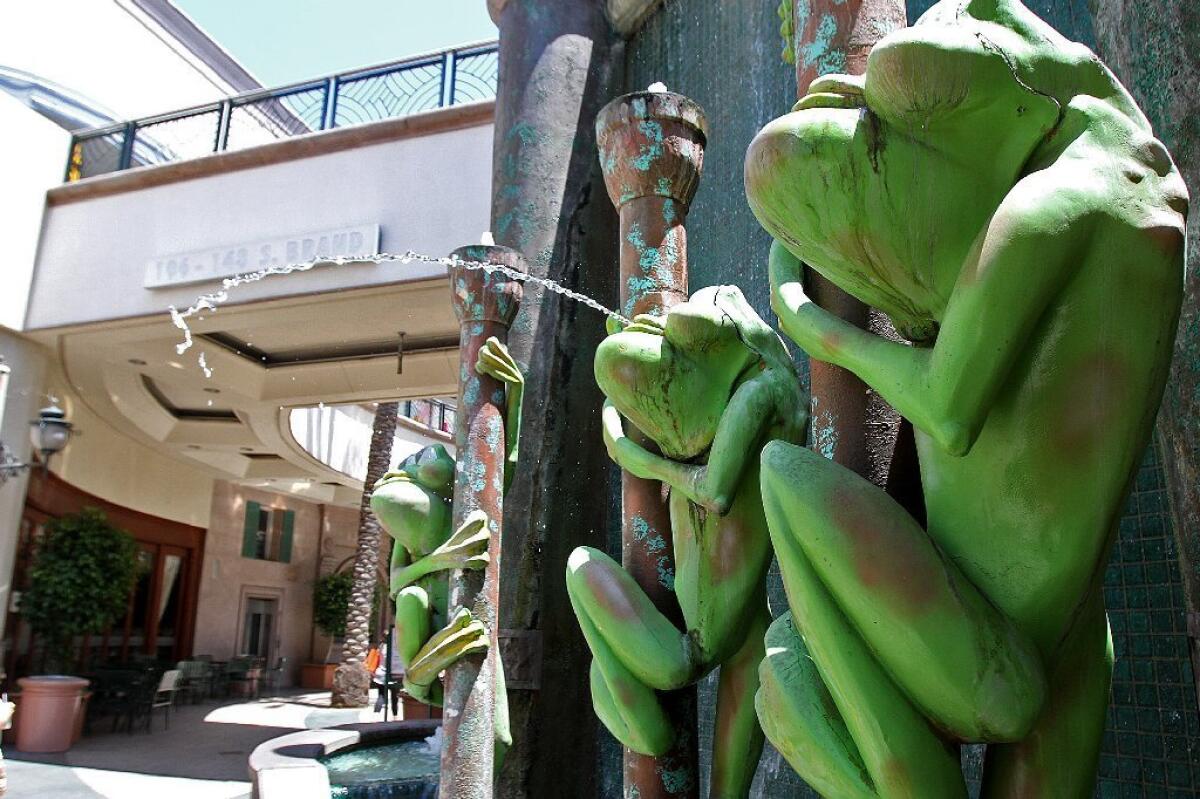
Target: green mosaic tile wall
point(725, 55)
point(1152, 740)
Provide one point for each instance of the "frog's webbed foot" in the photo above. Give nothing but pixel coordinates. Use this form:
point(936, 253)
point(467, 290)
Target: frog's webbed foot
point(463, 635)
point(496, 361)
point(467, 547)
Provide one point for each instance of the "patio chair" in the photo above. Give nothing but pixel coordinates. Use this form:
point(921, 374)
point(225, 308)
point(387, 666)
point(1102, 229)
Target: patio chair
point(274, 676)
point(243, 675)
point(164, 697)
point(113, 692)
point(140, 697)
point(193, 679)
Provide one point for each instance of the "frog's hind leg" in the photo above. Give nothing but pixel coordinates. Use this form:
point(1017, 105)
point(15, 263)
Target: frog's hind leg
point(960, 661)
point(414, 621)
point(463, 635)
point(737, 736)
point(802, 721)
point(635, 651)
point(413, 616)
point(833, 713)
point(1059, 757)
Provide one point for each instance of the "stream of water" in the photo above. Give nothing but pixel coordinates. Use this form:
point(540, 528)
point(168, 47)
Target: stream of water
point(211, 301)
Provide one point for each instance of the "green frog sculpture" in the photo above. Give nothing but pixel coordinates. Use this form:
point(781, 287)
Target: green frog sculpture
point(993, 188)
point(710, 384)
point(413, 504)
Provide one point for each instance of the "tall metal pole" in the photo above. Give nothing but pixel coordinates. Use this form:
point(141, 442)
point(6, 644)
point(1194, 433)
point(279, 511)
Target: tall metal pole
point(838, 35)
point(651, 152)
point(485, 304)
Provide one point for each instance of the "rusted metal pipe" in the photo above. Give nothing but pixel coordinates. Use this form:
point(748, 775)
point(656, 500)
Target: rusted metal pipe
point(837, 36)
point(485, 304)
point(651, 152)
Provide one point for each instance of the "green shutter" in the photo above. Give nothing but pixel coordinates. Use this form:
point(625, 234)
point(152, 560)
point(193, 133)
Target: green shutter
point(285, 541)
point(250, 531)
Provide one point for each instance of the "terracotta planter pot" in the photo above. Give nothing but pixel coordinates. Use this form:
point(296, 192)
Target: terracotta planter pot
point(412, 709)
point(50, 709)
point(318, 676)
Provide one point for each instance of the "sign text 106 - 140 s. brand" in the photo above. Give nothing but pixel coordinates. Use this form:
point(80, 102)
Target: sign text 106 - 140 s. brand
point(213, 263)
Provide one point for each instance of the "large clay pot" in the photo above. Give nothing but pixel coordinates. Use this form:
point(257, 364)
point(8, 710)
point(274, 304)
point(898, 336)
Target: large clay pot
point(49, 708)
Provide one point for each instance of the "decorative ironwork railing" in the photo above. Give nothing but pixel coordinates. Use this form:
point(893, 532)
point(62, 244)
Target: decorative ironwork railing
point(421, 83)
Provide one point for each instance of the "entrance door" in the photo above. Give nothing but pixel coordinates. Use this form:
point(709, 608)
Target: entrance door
point(258, 628)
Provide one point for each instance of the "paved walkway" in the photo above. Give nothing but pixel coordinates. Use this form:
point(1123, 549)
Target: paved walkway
point(202, 755)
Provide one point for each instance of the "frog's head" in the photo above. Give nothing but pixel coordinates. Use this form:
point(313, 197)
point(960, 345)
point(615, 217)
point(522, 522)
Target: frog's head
point(883, 182)
point(674, 380)
point(413, 502)
point(431, 468)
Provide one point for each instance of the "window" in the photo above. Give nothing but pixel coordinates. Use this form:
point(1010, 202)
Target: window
point(268, 533)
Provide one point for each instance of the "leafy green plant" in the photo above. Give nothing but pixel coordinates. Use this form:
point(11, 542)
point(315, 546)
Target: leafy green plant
point(79, 583)
point(331, 595)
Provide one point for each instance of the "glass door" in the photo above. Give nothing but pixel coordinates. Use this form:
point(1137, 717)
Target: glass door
point(258, 628)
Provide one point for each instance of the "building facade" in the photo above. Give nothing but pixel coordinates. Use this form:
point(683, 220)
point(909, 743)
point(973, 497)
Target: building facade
point(239, 475)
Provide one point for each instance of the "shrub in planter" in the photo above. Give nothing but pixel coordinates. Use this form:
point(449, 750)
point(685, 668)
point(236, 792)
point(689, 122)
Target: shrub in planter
point(331, 597)
point(79, 583)
point(331, 594)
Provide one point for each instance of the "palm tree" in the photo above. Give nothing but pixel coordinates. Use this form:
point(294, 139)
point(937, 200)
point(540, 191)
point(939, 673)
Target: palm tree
point(351, 681)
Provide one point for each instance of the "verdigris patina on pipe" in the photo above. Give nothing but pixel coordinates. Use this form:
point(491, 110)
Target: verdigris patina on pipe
point(651, 153)
point(475, 717)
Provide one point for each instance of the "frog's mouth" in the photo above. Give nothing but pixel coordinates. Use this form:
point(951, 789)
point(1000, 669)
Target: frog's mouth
point(834, 91)
point(394, 477)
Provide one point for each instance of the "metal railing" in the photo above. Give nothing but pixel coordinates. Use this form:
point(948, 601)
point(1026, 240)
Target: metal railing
point(400, 88)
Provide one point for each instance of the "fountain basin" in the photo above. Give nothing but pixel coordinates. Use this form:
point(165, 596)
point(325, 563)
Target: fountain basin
point(351, 761)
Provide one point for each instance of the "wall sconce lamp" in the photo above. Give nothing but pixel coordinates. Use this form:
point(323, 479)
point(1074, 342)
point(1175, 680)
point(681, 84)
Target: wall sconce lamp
point(49, 433)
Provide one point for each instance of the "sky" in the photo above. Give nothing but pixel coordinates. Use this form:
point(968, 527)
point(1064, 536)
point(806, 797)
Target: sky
point(283, 41)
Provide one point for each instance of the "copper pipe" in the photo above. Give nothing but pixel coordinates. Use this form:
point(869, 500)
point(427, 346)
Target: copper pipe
point(839, 396)
point(651, 152)
point(485, 304)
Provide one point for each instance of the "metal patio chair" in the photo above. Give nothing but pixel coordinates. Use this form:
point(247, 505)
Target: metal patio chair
point(164, 697)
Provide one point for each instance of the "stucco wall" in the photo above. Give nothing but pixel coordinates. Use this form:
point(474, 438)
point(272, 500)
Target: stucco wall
point(424, 192)
point(31, 161)
point(228, 578)
point(24, 397)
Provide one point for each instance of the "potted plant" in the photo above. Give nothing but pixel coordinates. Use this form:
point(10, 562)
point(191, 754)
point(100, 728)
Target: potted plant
point(331, 594)
point(79, 584)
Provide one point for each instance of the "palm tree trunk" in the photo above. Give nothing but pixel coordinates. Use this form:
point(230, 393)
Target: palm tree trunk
point(351, 682)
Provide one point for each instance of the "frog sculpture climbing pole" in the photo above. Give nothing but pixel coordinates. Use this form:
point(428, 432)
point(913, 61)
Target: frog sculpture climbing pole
point(413, 504)
point(710, 384)
point(993, 188)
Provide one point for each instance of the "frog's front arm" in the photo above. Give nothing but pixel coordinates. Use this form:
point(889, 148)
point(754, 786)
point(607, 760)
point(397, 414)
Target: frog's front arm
point(713, 485)
point(1012, 275)
point(399, 562)
point(496, 361)
point(465, 549)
